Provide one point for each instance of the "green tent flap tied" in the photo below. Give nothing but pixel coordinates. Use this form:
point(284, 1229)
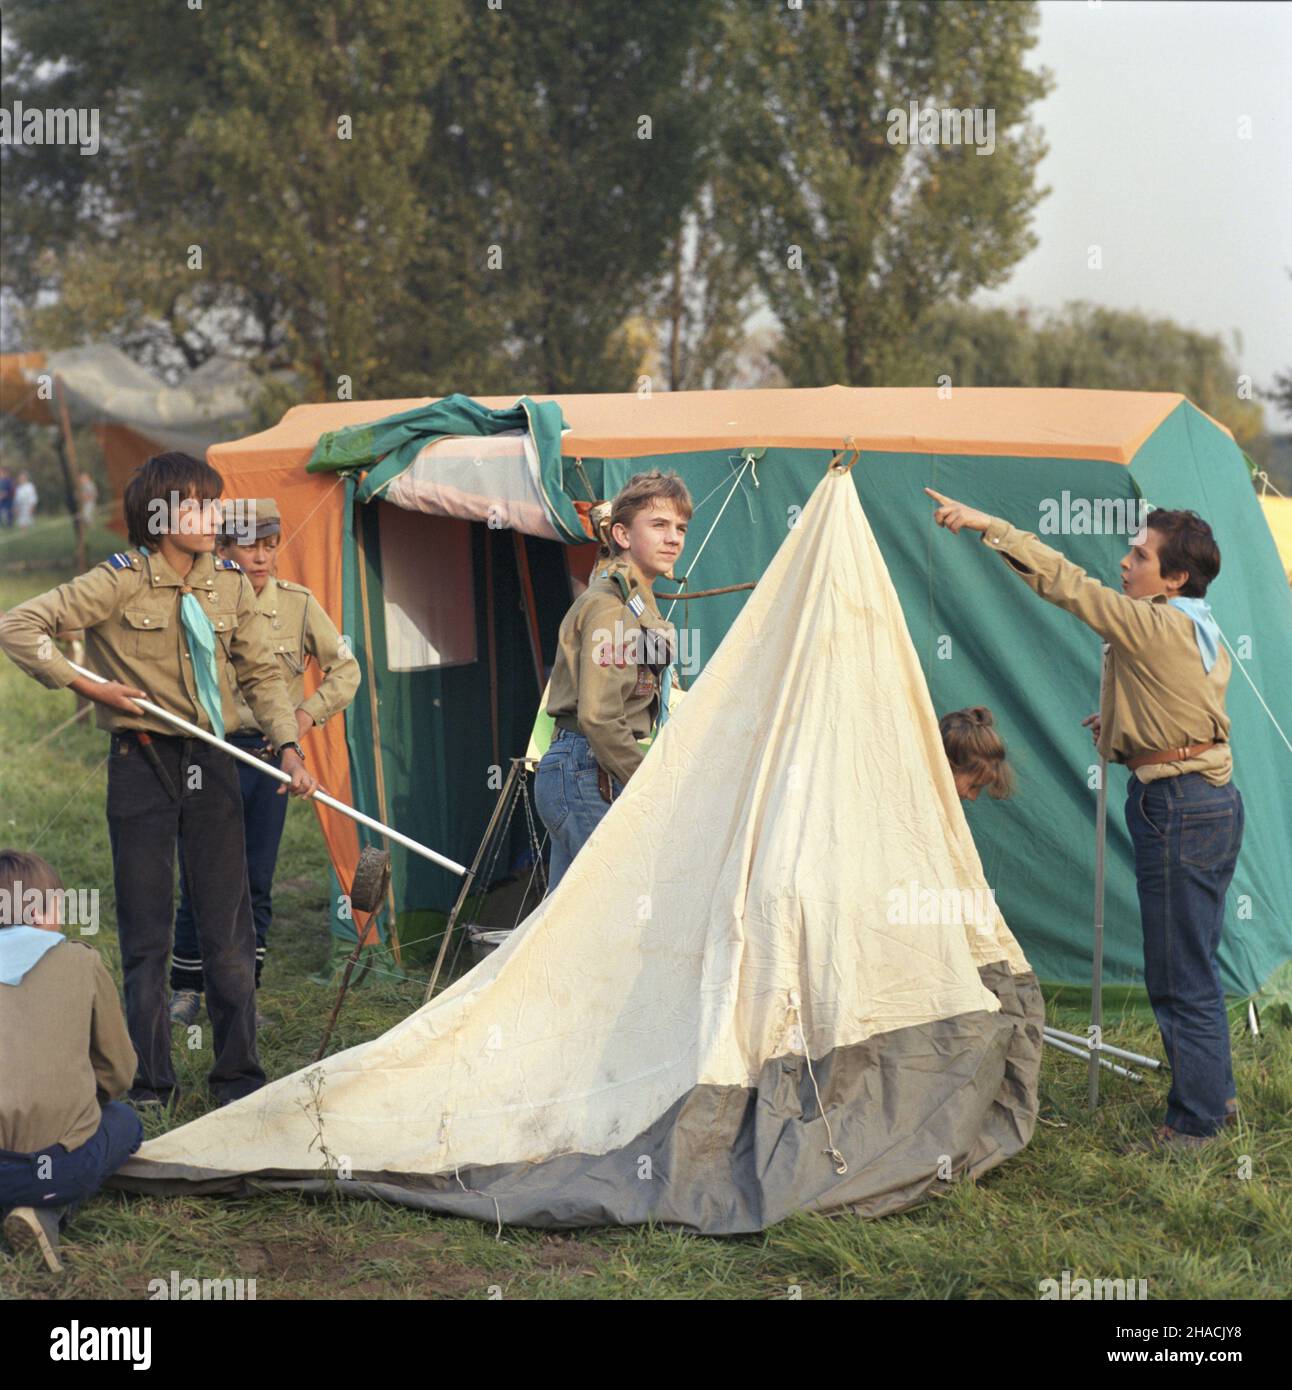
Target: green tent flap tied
point(388, 447)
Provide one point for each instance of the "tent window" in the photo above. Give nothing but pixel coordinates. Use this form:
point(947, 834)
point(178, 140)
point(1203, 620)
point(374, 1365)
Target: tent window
point(429, 596)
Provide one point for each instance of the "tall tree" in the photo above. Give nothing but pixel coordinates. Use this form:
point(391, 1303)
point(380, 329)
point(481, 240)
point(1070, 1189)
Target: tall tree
point(883, 230)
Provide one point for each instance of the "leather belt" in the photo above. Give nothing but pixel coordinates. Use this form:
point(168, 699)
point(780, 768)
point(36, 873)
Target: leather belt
point(1171, 755)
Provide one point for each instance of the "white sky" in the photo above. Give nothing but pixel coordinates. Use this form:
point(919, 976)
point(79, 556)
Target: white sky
point(1145, 161)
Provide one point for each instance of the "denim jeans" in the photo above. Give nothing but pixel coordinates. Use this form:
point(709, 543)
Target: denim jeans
point(567, 799)
point(74, 1174)
point(264, 813)
point(1186, 834)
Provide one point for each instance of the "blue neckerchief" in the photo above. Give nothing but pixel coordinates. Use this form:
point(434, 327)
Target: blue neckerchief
point(21, 948)
point(1205, 628)
point(201, 649)
point(665, 690)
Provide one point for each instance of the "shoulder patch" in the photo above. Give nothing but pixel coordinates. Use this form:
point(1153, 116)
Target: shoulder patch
point(228, 565)
point(120, 561)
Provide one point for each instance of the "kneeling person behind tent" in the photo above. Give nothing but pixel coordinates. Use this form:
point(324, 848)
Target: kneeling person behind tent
point(299, 631)
point(67, 1061)
point(976, 753)
point(611, 654)
point(168, 622)
point(1162, 714)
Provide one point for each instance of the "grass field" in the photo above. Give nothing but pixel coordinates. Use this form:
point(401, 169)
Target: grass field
point(1215, 1225)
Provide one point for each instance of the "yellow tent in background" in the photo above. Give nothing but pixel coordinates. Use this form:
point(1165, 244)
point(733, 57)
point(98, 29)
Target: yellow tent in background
point(1278, 512)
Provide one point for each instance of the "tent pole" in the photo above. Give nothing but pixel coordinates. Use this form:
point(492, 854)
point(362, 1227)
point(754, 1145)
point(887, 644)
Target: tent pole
point(504, 796)
point(379, 768)
point(531, 611)
point(1097, 975)
point(67, 457)
point(493, 645)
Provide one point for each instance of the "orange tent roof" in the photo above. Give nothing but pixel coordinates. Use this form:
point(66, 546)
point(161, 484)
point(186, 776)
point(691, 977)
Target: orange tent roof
point(1014, 421)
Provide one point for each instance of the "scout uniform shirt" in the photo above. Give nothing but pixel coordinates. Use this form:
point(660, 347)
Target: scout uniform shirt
point(65, 1046)
point(610, 654)
point(1156, 694)
point(298, 628)
point(129, 607)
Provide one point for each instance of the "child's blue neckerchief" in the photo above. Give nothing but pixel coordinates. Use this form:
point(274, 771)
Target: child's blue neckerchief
point(201, 648)
point(21, 948)
point(1205, 628)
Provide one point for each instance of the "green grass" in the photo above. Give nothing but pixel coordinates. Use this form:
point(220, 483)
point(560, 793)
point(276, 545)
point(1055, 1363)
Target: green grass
point(1192, 1225)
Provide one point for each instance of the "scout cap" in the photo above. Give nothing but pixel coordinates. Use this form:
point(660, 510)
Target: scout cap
point(238, 518)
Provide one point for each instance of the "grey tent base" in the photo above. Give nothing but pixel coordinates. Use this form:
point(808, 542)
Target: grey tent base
point(910, 1111)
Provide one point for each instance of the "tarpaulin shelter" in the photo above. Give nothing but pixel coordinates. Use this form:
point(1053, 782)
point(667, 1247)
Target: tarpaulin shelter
point(728, 1010)
point(1055, 462)
point(132, 413)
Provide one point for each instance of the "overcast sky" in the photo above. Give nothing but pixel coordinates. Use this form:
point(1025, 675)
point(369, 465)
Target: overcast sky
point(1145, 160)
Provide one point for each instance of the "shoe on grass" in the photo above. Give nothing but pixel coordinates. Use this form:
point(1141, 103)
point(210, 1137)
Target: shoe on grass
point(185, 1005)
point(35, 1228)
point(1164, 1139)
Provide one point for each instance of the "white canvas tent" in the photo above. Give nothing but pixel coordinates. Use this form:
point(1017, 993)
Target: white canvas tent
point(748, 995)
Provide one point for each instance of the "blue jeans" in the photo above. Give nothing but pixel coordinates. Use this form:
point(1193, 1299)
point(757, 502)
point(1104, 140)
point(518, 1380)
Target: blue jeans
point(566, 795)
point(264, 814)
point(74, 1174)
point(1186, 834)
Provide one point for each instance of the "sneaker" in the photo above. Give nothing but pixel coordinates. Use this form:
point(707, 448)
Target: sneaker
point(185, 1005)
point(35, 1228)
point(1164, 1138)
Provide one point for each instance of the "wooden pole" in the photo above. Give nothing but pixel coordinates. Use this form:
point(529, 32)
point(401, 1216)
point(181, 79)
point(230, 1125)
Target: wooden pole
point(67, 457)
point(531, 609)
point(493, 646)
point(378, 766)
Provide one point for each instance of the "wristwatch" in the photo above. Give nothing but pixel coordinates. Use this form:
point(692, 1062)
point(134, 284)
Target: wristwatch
point(295, 747)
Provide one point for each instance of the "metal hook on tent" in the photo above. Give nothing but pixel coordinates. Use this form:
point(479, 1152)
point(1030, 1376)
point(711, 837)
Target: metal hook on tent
point(836, 465)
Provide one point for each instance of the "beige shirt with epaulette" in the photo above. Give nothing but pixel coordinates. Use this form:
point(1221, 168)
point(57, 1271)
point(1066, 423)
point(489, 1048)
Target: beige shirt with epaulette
point(608, 665)
point(1156, 694)
point(298, 629)
point(130, 613)
point(65, 1049)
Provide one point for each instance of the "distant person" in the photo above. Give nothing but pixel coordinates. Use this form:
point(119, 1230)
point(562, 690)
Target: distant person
point(67, 1061)
point(976, 753)
point(25, 502)
point(87, 494)
point(6, 497)
point(299, 632)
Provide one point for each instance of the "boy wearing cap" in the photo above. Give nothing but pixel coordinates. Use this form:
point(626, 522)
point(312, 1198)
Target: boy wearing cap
point(299, 630)
point(168, 622)
point(1162, 714)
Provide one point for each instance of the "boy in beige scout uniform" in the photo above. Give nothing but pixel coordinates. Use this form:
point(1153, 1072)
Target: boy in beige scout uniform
point(613, 648)
point(1162, 714)
point(169, 622)
point(299, 630)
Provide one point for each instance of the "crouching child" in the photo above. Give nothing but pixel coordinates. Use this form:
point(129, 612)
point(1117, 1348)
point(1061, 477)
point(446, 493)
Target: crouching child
point(68, 1060)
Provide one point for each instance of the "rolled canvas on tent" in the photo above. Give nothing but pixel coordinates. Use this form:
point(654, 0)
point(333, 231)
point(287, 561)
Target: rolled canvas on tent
point(735, 1005)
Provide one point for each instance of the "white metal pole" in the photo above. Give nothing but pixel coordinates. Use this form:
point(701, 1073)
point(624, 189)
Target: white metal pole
point(1103, 1047)
point(252, 761)
point(1097, 976)
point(1093, 1058)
